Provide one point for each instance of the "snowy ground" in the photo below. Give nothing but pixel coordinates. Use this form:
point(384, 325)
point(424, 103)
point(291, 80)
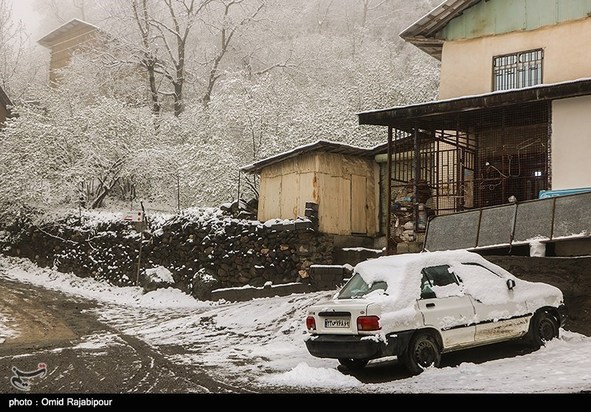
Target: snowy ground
point(262, 341)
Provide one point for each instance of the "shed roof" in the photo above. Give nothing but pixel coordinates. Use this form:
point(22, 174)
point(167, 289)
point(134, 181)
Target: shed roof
point(422, 33)
point(5, 101)
point(53, 37)
point(319, 146)
point(4, 98)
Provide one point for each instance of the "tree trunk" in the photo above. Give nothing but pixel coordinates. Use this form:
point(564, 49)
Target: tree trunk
point(179, 107)
point(98, 201)
point(156, 107)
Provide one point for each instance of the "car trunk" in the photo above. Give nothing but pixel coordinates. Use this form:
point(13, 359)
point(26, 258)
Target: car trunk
point(340, 318)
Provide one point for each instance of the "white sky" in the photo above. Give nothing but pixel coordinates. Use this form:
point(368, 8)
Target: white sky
point(267, 345)
point(23, 10)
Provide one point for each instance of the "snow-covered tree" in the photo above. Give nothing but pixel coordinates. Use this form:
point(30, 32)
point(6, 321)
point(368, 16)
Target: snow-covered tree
point(258, 77)
point(19, 61)
point(181, 45)
point(60, 151)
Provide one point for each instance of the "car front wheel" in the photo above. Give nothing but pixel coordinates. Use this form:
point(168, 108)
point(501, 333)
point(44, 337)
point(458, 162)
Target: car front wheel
point(544, 327)
point(423, 352)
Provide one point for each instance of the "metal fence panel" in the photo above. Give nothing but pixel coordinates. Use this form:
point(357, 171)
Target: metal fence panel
point(533, 221)
point(495, 226)
point(555, 218)
point(572, 216)
point(450, 232)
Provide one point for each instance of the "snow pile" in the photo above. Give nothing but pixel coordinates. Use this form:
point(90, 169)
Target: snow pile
point(159, 274)
point(5, 330)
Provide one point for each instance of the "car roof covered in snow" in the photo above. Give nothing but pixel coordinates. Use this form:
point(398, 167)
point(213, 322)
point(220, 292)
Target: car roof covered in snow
point(383, 266)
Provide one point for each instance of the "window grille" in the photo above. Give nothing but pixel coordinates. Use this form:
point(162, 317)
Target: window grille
point(518, 70)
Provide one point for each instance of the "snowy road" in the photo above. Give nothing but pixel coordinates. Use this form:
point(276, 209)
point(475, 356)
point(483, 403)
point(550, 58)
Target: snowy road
point(170, 342)
point(82, 354)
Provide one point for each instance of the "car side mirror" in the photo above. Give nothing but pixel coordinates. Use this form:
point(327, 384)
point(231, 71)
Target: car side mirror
point(510, 284)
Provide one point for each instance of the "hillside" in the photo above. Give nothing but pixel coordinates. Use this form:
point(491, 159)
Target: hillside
point(294, 74)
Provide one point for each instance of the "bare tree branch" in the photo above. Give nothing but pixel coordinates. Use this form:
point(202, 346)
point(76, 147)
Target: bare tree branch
point(225, 38)
point(148, 60)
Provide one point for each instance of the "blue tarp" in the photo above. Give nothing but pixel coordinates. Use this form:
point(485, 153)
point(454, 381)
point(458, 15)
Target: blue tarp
point(546, 194)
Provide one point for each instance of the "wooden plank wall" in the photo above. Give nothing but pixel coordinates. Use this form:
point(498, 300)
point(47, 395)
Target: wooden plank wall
point(343, 186)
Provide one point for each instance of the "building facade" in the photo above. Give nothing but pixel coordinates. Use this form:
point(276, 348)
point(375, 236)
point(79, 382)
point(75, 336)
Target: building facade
point(510, 120)
point(72, 37)
point(341, 181)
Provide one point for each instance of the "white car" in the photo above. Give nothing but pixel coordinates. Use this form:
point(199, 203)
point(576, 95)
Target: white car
point(419, 306)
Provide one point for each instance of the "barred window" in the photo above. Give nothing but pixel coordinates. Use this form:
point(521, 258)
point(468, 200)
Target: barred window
point(517, 70)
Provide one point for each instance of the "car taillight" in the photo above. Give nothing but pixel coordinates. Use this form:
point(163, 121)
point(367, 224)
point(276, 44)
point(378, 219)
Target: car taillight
point(366, 323)
point(311, 323)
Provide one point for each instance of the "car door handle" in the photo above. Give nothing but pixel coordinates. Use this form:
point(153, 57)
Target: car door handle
point(430, 305)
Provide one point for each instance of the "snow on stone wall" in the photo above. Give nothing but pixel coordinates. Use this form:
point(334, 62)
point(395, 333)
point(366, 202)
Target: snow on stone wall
point(202, 250)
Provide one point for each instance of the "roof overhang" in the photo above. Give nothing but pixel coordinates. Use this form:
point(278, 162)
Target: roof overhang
point(405, 114)
point(5, 101)
point(423, 33)
point(50, 39)
point(4, 98)
point(319, 146)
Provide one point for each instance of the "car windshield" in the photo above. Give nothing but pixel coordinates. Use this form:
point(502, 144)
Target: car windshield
point(356, 287)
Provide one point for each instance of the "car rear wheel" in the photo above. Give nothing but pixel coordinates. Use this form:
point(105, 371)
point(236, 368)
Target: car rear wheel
point(543, 328)
point(353, 364)
point(423, 352)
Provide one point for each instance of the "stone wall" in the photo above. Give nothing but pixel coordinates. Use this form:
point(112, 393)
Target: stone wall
point(572, 275)
point(203, 252)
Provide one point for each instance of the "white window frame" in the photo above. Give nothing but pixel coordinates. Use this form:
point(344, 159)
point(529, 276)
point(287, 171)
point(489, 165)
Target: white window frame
point(518, 70)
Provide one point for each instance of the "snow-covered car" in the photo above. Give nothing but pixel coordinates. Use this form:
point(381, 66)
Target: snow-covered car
point(419, 306)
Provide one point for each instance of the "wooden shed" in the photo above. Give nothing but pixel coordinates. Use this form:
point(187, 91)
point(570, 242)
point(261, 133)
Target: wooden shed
point(342, 180)
point(71, 37)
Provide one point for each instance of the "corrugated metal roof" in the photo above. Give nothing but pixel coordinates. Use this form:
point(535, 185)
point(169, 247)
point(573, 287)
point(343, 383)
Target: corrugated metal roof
point(49, 39)
point(423, 32)
point(428, 32)
point(489, 18)
point(319, 146)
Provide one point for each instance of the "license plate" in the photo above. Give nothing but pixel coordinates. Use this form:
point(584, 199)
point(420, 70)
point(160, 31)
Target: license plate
point(336, 323)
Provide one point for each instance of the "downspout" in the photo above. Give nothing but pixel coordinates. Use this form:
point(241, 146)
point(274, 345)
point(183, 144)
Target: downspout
point(417, 165)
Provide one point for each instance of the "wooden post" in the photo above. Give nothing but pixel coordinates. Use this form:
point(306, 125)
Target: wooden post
point(238, 194)
point(178, 193)
point(389, 247)
point(417, 173)
point(142, 227)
